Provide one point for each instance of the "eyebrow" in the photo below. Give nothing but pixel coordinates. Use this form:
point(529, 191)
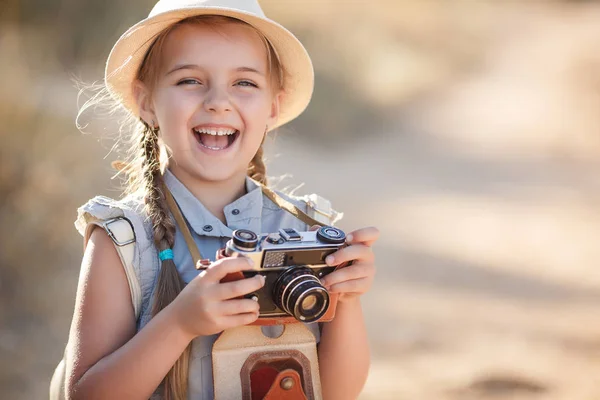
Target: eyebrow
point(197, 67)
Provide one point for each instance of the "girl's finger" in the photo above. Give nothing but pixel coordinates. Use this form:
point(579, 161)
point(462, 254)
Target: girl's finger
point(238, 306)
point(230, 290)
point(220, 268)
point(361, 285)
point(354, 271)
point(231, 321)
point(350, 253)
point(366, 236)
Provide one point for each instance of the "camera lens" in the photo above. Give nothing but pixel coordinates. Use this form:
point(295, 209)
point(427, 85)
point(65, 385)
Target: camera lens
point(245, 239)
point(299, 292)
point(329, 234)
point(319, 303)
point(309, 302)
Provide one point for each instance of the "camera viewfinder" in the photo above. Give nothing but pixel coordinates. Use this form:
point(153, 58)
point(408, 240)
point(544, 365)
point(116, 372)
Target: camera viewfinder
point(291, 235)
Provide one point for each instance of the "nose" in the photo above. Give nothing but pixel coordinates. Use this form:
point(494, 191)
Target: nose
point(217, 100)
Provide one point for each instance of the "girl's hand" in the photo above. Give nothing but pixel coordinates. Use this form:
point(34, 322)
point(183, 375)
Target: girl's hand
point(206, 306)
point(355, 279)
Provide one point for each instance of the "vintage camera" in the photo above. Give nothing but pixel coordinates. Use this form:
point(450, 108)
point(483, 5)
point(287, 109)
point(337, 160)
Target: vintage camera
point(292, 263)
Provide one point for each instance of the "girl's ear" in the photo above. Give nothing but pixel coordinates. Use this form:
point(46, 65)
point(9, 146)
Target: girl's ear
point(275, 108)
point(144, 102)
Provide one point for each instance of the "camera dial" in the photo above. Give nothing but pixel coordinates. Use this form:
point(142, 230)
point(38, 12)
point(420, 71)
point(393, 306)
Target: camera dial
point(275, 238)
point(245, 239)
point(329, 234)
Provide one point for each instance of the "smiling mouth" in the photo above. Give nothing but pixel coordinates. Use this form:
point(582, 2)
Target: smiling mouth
point(216, 139)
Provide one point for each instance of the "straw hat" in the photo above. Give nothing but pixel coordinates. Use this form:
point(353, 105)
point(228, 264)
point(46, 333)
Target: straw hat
point(127, 54)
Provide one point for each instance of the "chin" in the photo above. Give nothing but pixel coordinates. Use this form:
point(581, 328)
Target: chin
point(215, 174)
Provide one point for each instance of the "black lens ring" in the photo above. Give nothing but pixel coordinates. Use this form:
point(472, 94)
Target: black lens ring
point(283, 282)
point(318, 310)
point(321, 306)
point(324, 235)
point(294, 284)
point(294, 278)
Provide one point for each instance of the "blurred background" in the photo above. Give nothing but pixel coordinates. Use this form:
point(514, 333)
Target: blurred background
point(467, 131)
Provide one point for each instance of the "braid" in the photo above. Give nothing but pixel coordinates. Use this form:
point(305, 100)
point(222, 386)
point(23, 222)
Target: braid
point(169, 283)
point(154, 200)
point(257, 169)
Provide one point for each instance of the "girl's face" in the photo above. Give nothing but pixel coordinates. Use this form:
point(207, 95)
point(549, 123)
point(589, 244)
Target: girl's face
point(213, 99)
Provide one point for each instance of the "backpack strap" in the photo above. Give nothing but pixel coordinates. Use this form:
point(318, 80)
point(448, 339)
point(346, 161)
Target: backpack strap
point(120, 230)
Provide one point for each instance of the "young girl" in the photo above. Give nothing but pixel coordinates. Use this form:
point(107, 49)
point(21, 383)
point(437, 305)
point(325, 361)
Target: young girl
point(206, 80)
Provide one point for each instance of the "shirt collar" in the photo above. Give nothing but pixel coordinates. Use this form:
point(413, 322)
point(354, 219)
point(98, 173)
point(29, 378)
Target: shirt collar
point(243, 213)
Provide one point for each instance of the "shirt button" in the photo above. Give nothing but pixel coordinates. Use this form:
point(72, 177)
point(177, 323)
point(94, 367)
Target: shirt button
point(235, 211)
point(207, 228)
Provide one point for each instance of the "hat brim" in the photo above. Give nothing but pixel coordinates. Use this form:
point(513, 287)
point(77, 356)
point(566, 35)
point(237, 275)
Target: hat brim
point(128, 53)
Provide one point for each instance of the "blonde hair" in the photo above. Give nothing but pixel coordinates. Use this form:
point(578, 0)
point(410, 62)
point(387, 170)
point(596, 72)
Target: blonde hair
point(143, 170)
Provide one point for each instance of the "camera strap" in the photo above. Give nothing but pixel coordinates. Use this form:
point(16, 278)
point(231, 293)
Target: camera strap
point(271, 195)
point(183, 227)
point(289, 207)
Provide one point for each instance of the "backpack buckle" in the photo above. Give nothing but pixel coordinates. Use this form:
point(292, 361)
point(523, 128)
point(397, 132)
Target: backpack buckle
point(111, 234)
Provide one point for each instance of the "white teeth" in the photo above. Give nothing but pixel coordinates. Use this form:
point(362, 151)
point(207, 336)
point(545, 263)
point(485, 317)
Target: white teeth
point(215, 132)
point(211, 147)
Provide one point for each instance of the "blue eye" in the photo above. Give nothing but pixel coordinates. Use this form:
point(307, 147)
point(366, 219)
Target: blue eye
point(247, 83)
point(188, 82)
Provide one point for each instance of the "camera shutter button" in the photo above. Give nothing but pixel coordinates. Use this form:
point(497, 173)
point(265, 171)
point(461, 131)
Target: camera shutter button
point(274, 238)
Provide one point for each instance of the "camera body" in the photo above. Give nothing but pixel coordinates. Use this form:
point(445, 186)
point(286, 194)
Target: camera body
point(292, 263)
